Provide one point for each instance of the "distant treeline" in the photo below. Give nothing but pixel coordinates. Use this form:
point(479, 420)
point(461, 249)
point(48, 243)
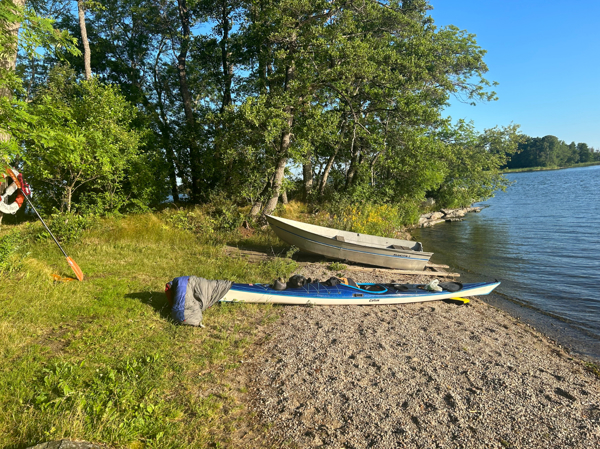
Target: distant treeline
point(549, 151)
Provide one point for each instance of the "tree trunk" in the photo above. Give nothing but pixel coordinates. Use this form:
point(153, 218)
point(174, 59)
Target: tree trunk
point(278, 180)
point(186, 95)
point(67, 197)
point(355, 151)
point(84, 40)
point(171, 162)
point(9, 62)
point(323, 182)
point(307, 174)
point(225, 56)
point(284, 146)
point(170, 154)
point(352, 171)
point(257, 206)
point(284, 198)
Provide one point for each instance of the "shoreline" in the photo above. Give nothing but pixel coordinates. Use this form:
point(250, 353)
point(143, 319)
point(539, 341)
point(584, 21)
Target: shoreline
point(566, 333)
point(534, 169)
point(419, 375)
point(562, 333)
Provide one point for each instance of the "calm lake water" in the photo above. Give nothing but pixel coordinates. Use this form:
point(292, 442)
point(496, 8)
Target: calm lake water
point(541, 238)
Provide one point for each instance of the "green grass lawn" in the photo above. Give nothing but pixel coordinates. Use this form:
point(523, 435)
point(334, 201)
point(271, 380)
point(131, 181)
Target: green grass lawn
point(101, 360)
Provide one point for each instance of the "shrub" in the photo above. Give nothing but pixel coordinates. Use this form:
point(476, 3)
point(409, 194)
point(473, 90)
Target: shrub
point(67, 227)
point(384, 220)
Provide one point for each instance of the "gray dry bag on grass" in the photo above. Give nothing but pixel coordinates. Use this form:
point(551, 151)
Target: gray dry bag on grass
point(191, 295)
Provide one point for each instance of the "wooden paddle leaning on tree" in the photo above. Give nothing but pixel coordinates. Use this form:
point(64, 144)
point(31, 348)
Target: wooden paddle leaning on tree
point(24, 188)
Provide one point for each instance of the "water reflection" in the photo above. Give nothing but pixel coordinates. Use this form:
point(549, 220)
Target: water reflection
point(541, 239)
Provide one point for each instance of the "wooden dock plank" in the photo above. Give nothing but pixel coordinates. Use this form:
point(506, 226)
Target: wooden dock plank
point(256, 256)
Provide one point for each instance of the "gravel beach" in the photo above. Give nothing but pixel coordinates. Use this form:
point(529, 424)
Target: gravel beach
point(423, 375)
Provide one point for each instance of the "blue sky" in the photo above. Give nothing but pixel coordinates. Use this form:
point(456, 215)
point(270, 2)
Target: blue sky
point(546, 57)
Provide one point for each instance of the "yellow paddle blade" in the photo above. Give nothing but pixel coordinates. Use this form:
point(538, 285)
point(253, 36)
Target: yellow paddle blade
point(75, 268)
point(461, 300)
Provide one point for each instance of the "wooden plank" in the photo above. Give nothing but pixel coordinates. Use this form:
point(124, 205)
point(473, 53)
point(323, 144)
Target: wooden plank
point(255, 256)
point(436, 265)
point(407, 272)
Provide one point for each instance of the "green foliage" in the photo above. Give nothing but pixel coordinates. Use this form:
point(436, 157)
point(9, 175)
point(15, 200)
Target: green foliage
point(194, 219)
point(10, 244)
point(79, 143)
point(376, 219)
point(120, 400)
point(219, 216)
point(592, 368)
point(473, 163)
point(351, 94)
point(67, 227)
point(336, 266)
point(22, 29)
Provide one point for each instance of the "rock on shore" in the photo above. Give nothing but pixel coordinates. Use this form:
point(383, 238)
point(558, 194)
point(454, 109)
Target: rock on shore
point(433, 218)
point(424, 375)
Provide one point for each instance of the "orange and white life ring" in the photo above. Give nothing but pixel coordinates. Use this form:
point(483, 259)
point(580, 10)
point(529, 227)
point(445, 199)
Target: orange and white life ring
point(5, 206)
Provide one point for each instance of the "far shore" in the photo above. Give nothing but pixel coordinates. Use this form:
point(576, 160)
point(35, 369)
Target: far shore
point(530, 169)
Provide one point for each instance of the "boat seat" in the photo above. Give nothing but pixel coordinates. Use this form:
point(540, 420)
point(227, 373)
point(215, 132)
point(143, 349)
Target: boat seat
point(405, 248)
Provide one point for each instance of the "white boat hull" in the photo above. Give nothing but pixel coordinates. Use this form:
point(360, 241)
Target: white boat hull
point(353, 247)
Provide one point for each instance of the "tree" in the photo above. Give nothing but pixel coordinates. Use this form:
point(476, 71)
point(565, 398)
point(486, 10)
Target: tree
point(472, 167)
point(572, 154)
point(36, 32)
point(81, 135)
point(364, 83)
point(585, 155)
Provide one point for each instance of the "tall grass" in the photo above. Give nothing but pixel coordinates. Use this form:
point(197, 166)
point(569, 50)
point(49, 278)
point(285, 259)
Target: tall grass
point(101, 360)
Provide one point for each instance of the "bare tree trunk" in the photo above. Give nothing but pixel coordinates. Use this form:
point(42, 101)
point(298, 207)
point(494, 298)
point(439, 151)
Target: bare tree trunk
point(278, 180)
point(257, 206)
point(9, 62)
point(225, 57)
point(186, 95)
point(284, 198)
point(84, 40)
point(307, 174)
point(323, 182)
point(355, 151)
point(171, 157)
point(284, 146)
point(69, 198)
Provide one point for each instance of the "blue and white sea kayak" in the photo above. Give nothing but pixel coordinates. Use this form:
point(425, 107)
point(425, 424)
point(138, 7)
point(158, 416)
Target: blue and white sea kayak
point(363, 294)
